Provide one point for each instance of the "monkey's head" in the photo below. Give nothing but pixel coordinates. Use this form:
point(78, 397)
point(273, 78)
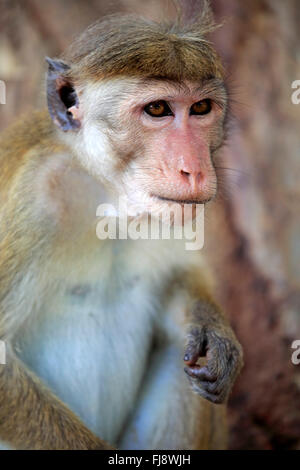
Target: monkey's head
point(143, 106)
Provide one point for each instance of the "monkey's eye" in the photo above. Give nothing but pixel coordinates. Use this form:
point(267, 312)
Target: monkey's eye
point(201, 107)
point(158, 109)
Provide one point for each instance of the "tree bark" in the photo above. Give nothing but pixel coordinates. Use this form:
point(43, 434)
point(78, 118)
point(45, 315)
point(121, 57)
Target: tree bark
point(258, 263)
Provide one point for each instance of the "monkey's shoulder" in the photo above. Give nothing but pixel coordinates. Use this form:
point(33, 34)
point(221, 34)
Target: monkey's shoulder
point(26, 133)
point(24, 145)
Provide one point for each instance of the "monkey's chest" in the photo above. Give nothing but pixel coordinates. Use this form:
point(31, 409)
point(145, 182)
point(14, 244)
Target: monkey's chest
point(91, 349)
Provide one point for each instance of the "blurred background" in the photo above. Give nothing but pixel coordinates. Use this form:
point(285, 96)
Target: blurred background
point(253, 229)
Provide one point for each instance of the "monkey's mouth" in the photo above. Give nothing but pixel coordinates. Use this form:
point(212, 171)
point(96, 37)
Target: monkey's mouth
point(182, 201)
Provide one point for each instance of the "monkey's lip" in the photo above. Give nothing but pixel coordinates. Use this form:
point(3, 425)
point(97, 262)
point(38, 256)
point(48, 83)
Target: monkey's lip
point(181, 201)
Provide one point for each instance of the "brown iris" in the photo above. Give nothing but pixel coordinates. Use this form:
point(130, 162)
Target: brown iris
point(201, 107)
point(158, 109)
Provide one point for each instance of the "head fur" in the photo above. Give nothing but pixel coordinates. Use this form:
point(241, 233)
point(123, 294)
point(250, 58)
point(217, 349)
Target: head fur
point(134, 46)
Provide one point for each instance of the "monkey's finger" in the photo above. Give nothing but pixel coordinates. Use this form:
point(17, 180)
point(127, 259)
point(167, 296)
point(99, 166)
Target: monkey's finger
point(216, 399)
point(200, 373)
point(193, 351)
point(196, 343)
point(208, 391)
point(202, 391)
point(190, 357)
point(211, 387)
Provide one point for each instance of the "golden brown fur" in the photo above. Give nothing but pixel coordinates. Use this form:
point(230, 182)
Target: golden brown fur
point(144, 48)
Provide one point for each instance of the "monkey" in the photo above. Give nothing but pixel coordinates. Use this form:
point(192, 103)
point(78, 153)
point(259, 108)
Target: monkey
point(114, 343)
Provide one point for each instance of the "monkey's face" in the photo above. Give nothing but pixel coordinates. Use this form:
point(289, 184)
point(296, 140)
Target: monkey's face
point(153, 141)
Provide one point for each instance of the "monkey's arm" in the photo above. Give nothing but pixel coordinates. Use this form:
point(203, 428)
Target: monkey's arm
point(31, 417)
point(168, 415)
point(209, 335)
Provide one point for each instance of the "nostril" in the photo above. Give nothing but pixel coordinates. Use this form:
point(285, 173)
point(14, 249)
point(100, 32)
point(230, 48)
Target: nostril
point(192, 177)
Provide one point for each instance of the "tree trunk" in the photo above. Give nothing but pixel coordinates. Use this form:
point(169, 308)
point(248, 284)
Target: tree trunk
point(256, 250)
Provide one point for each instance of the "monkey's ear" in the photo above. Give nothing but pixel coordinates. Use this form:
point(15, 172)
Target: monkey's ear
point(61, 96)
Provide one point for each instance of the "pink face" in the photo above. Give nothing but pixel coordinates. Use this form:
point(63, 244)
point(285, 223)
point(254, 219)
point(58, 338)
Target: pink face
point(153, 140)
point(178, 128)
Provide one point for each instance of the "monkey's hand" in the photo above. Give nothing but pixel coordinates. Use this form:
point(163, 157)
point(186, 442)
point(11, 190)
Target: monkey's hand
point(224, 360)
